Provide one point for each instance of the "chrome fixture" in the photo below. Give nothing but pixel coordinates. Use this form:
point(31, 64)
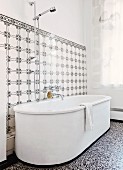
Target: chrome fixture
point(62, 96)
point(36, 30)
point(51, 94)
point(33, 3)
point(52, 88)
point(53, 9)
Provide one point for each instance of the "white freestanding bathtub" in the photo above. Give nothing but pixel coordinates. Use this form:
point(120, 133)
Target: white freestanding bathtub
point(52, 131)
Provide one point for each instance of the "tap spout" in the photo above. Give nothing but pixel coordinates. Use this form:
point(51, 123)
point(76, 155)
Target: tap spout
point(56, 94)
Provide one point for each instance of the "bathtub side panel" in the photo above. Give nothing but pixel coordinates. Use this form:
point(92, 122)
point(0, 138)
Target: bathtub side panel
point(54, 139)
point(49, 139)
point(101, 123)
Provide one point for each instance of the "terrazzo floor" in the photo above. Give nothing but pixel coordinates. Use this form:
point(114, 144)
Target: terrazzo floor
point(105, 154)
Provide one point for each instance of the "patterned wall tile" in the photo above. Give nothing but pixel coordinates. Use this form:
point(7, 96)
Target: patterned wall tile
point(62, 63)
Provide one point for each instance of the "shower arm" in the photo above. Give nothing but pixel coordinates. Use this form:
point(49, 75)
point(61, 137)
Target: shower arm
point(37, 17)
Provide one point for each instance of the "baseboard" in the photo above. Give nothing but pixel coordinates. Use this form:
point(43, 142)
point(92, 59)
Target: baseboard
point(11, 159)
point(116, 115)
point(117, 120)
point(2, 165)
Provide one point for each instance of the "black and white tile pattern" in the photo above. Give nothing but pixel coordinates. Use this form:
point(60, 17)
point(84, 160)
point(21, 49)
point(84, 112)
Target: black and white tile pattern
point(105, 154)
point(62, 63)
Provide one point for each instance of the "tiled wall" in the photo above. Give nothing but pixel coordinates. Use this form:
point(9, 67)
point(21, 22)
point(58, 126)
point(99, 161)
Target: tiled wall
point(62, 63)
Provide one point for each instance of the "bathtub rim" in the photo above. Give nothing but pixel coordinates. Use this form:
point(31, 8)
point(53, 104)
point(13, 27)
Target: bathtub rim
point(52, 112)
point(80, 106)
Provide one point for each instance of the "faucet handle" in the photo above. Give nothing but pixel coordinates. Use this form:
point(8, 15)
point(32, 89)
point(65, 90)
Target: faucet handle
point(49, 95)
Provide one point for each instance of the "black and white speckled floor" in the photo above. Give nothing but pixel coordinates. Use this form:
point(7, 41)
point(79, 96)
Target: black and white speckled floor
point(105, 154)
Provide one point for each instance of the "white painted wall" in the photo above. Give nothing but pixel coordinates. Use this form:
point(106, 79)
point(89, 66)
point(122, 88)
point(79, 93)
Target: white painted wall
point(12, 8)
point(3, 101)
point(66, 22)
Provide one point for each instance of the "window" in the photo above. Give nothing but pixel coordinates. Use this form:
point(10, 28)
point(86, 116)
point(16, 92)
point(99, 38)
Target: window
point(110, 44)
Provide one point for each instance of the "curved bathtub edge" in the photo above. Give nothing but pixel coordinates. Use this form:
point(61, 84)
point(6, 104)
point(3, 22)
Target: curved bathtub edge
point(64, 163)
point(52, 112)
point(107, 98)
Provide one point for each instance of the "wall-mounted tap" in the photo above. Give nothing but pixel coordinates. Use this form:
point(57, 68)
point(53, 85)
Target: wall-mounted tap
point(51, 94)
point(62, 96)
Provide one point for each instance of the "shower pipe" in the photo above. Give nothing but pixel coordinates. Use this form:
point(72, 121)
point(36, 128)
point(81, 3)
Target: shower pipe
point(36, 18)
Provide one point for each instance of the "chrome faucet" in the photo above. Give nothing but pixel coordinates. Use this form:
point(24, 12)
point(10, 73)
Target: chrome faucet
point(62, 96)
point(50, 94)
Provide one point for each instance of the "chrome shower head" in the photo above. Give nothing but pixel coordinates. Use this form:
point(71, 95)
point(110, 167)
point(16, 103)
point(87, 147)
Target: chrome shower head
point(53, 9)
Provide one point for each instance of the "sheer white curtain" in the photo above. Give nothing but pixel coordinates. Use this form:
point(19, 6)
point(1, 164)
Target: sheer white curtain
point(108, 50)
point(3, 101)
